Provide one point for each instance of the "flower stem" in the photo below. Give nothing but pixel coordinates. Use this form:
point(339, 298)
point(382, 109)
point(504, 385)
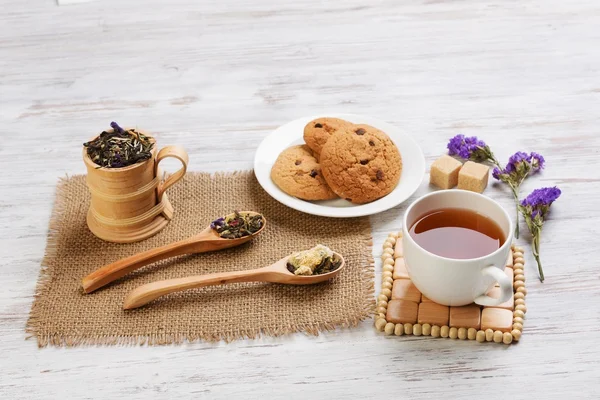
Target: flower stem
point(495, 161)
point(515, 191)
point(535, 244)
point(517, 220)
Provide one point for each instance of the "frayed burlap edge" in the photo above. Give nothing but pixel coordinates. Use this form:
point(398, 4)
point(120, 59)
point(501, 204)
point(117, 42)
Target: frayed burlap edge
point(50, 252)
point(58, 340)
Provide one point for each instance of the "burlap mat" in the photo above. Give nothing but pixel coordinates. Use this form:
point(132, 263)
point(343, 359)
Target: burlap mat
point(62, 315)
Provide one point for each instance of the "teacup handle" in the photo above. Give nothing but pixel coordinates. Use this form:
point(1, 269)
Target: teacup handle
point(506, 287)
point(177, 152)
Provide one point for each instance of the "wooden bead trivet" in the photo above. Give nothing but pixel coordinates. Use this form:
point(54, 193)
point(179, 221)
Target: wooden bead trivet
point(403, 310)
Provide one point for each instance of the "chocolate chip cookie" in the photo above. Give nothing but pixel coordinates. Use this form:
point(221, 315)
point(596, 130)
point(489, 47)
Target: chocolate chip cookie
point(297, 172)
point(318, 131)
point(361, 166)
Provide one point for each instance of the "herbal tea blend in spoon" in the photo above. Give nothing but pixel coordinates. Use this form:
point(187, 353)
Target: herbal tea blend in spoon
point(275, 273)
point(207, 240)
point(237, 225)
point(119, 148)
point(318, 260)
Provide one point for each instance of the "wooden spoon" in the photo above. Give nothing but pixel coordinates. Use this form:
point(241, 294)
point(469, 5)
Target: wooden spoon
point(276, 273)
point(205, 241)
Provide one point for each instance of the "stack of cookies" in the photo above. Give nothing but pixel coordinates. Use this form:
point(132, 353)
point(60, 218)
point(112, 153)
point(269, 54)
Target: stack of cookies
point(358, 163)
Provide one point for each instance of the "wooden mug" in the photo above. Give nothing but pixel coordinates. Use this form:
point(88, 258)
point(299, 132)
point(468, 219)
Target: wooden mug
point(129, 204)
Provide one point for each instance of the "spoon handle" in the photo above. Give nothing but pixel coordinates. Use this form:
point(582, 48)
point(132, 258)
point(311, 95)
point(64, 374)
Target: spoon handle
point(114, 271)
point(151, 291)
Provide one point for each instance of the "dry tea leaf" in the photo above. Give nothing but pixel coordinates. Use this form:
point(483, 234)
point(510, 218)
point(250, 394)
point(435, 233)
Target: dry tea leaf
point(119, 148)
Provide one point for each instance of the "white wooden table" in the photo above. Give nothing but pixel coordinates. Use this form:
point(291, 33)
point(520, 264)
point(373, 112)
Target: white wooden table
point(217, 77)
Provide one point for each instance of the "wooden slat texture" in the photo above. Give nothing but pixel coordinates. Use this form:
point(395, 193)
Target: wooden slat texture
point(217, 77)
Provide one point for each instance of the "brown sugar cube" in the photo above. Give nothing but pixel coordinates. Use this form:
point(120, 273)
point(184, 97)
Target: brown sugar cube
point(497, 319)
point(473, 176)
point(496, 292)
point(509, 261)
point(404, 289)
point(402, 311)
point(466, 316)
point(425, 299)
point(400, 271)
point(444, 172)
point(398, 249)
point(433, 314)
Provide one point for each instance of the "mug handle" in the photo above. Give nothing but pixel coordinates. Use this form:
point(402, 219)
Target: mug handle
point(506, 287)
point(177, 152)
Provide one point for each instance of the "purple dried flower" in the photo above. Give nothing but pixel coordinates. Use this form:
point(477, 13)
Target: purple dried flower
point(543, 197)
point(515, 161)
point(496, 173)
point(454, 144)
point(537, 161)
point(116, 127)
point(118, 161)
point(518, 157)
point(534, 208)
point(519, 166)
point(469, 148)
point(217, 223)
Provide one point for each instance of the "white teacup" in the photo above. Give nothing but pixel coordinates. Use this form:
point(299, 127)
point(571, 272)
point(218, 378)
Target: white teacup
point(456, 282)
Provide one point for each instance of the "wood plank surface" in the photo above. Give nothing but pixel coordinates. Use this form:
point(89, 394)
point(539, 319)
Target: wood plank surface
point(217, 77)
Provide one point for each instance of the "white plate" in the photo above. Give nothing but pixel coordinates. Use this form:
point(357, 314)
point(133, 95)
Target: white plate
point(290, 134)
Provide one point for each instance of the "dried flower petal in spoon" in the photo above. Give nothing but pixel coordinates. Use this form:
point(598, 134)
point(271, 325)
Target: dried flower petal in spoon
point(237, 225)
point(318, 260)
